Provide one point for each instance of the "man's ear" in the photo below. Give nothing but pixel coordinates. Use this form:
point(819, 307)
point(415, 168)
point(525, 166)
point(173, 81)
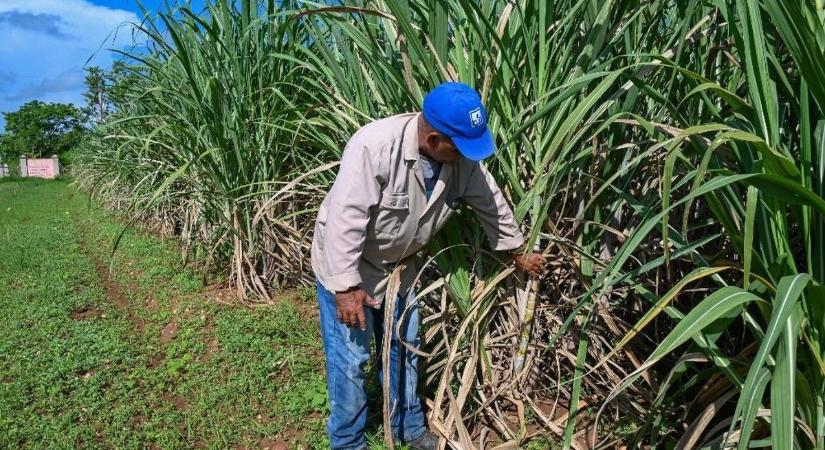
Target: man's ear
point(432, 140)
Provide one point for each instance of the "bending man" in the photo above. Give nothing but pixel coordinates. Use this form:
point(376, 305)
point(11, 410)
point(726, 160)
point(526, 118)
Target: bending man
point(399, 181)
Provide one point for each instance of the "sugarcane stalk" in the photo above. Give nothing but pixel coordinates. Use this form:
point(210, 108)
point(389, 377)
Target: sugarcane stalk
point(526, 315)
point(393, 286)
point(389, 308)
point(526, 324)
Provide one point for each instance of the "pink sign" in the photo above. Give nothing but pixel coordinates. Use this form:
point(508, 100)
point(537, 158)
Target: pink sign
point(41, 168)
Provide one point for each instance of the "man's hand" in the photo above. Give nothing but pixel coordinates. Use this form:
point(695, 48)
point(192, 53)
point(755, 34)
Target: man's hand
point(350, 305)
point(532, 263)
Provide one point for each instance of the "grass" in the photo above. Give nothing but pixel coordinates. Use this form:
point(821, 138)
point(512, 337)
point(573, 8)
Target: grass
point(146, 357)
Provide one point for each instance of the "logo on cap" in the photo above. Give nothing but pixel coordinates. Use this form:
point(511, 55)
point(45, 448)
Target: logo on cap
point(475, 117)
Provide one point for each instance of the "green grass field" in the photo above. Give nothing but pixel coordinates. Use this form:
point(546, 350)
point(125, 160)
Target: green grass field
point(146, 357)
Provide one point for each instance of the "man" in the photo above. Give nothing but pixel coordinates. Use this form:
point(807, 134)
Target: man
point(399, 181)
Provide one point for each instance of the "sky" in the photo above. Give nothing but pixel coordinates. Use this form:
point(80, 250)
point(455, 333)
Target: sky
point(45, 44)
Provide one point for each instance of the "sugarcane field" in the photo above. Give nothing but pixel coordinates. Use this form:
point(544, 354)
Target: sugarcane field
point(412, 224)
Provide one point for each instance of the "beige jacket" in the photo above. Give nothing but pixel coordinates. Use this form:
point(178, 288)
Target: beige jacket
point(377, 212)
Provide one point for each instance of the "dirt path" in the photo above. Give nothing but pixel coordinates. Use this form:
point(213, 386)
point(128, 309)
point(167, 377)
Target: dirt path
point(112, 289)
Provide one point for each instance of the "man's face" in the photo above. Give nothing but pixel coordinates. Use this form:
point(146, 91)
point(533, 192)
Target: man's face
point(441, 148)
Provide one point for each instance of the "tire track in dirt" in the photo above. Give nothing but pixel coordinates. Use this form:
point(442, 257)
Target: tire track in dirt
point(116, 295)
point(110, 287)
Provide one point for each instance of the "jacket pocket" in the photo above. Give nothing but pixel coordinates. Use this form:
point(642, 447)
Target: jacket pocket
point(393, 210)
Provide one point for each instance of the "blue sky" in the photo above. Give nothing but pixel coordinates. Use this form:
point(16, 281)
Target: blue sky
point(44, 45)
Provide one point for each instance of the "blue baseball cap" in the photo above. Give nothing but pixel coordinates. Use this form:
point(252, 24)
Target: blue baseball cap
point(455, 110)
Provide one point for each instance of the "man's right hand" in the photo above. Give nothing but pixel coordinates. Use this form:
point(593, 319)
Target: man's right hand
point(350, 305)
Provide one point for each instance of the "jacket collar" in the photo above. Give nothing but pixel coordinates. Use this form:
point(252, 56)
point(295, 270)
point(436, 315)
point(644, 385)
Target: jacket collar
point(412, 154)
point(411, 139)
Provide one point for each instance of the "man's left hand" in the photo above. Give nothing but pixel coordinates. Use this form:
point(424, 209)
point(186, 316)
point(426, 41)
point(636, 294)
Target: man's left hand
point(532, 263)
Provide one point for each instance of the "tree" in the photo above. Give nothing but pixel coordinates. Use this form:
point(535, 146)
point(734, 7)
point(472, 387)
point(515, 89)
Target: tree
point(106, 90)
point(97, 103)
point(39, 128)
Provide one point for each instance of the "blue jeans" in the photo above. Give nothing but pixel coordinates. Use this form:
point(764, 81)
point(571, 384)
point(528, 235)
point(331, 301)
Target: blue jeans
point(347, 352)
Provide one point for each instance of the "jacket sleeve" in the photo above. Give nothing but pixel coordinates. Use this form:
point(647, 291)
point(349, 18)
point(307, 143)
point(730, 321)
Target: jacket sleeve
point(492, 210)
point(356, 189)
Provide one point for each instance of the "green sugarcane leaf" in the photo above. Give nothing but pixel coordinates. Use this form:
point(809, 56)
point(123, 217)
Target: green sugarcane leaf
point(787, 293)
point(662, 303)
point(752, 401)
point(578, 374)
point(714, 306)
point(750, 215)
point(783, 388)
point(788, 190)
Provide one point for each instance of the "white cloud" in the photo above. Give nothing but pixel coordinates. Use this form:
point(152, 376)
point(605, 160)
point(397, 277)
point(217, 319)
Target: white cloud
point(71, 80)
point(38, 22)
point(46, 43)
point(86, 22)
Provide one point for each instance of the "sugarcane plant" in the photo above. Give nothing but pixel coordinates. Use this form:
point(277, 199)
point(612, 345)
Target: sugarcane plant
point(759, 168)
point(666, 155)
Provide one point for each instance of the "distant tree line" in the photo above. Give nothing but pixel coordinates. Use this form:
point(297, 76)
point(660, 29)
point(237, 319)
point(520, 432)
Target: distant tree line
point(39, 128)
